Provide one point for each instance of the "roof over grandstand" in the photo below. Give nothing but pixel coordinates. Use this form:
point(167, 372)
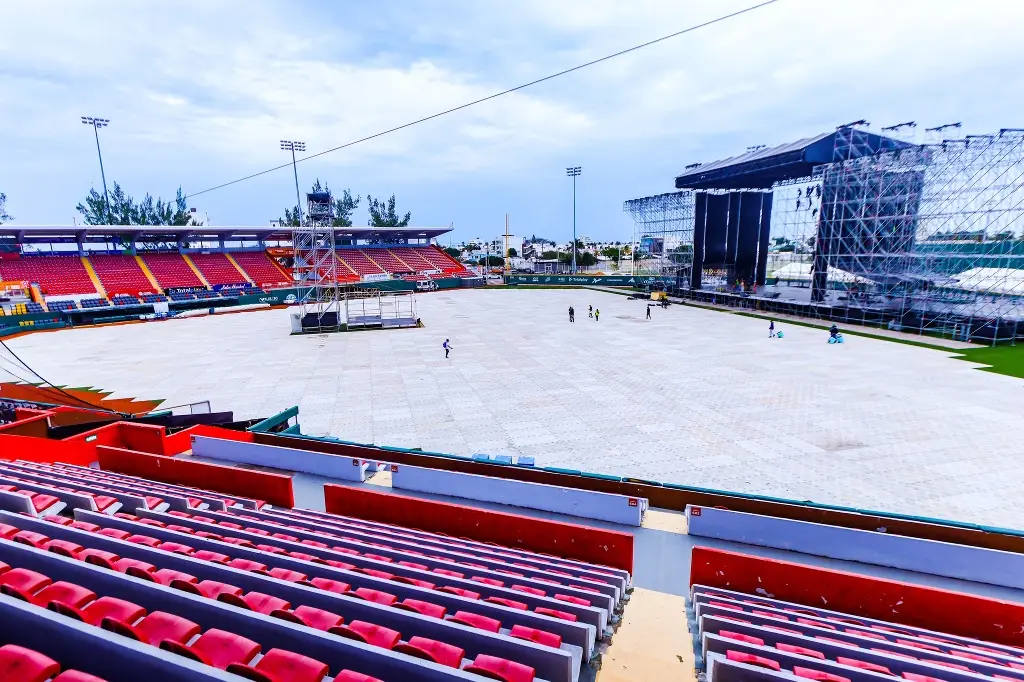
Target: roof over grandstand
point(47, 233)
point(762, 168)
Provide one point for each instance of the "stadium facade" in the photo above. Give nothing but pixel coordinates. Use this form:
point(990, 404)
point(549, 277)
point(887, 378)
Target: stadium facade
point(854, 226)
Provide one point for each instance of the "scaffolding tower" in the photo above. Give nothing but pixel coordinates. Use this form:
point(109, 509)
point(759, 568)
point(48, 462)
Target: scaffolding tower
point(933, 236)
point(915, 237)
point(664, 225)
point(316, 266)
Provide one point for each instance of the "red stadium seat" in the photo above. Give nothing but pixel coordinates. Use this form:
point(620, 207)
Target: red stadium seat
point(211, 589)
point(445, 571)
point(751, 659)
point(555, 613)
point(256, 601)
point(376, 596)
point(500, 669)
point(286, 574)
point(818, 675)
point(572, 600)
point(22, 583)
point(335, 586)
point(118, 610)
point(414, 581)
point(207, 555)
point(864, 665)
point(115, 533)
point(18, 664)
point(247, 565)
point(535, 635)
point(368, 633)
point(63, 592)
point(176, 547)
point(166, 576)
point(30, 538)
point(318, 619)
point(275, 550)
point(64, 548)
point(475, 620)
point(84, 525)
point(134, 567)
point(487, 581)
point(351, 676)
point(803, 651)
point(217, 648)
point(468, 594)
point(340, 564)
point(98, 557)
point(421, 607)
point(739, 637)
point(282, 666)
point(511, 603)
point(432, 650)
point(531, 590)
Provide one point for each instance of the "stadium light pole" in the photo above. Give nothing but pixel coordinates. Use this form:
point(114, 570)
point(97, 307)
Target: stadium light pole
point(96, 124)
point(293, 147)
point(574, 172)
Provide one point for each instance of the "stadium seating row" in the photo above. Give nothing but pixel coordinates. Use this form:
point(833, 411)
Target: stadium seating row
point(757, 637)
point(124, 274)
point(410, 575)
point(19, 663)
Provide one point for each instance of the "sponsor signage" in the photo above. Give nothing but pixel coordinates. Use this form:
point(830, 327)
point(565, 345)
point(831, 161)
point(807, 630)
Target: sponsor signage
point(380, 277)
point(605, 280)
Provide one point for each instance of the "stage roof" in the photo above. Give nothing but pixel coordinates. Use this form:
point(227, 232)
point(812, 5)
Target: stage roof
point(93, 233)
point(762, 168)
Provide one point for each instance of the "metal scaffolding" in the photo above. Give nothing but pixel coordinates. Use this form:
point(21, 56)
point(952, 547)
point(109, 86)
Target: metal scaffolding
point(316, 266)
point(664, 225)
point(929, 238)
point(917, 237)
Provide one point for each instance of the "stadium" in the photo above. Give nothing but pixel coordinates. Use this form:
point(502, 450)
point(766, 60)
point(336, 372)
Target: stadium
point(279, 475)
point(776, 438)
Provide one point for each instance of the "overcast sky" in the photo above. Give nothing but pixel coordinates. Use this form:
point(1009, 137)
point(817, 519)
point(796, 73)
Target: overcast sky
point(200, 93)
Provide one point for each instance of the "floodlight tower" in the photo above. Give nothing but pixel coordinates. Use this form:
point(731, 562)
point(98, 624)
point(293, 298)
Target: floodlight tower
point(293, 147)
point(574, 172)
point(96, 124)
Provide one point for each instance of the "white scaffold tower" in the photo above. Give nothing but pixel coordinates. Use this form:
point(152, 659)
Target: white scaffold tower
point(316, 267)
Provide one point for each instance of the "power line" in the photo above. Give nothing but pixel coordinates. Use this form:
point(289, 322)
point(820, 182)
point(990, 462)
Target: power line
point(51, 387)
point(439, 114)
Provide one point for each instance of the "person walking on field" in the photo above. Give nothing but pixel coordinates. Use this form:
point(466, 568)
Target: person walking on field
point(771, 329)
point(572, 314)
point(648, 311)
point(591, 310)
point(597, 315)
point(447, 348)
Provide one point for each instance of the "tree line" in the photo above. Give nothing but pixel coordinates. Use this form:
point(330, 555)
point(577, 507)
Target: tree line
point(124, 209)
point(382, 212)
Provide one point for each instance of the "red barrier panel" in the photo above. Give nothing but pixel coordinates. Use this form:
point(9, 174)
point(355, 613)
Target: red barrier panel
point(860, 595)
point(583, 543)
point(273, 488)
point(182, 440)
point(45, 451)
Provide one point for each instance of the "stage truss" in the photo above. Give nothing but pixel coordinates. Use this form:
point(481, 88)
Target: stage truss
point(928, 238)
point(316, 265)
point(667, 220)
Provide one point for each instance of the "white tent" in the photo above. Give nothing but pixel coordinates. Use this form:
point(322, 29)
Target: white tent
point(801, 272)
point(1001, 281)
